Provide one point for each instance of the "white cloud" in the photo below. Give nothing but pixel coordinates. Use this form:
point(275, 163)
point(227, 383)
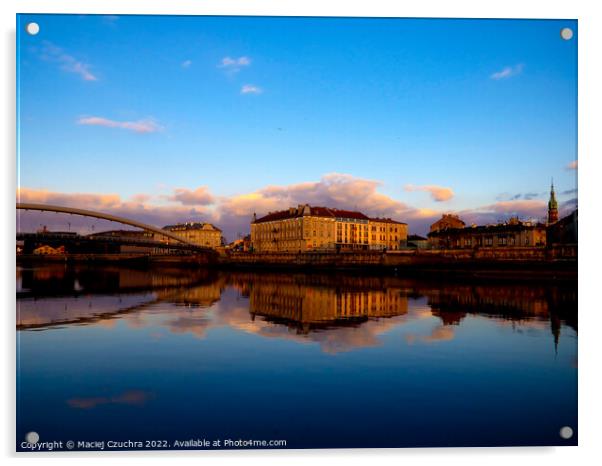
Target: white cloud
point(186, 63)
point(140, 126)
point(234, 65)
point(250, 89)
point(507, 72)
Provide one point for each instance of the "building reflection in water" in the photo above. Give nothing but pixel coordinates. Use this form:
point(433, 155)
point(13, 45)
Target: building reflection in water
point(297, 301)
point(340, 312)
point(58, 294)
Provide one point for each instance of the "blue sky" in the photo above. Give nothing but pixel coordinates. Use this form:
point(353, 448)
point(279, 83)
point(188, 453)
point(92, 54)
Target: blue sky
point(179, 117)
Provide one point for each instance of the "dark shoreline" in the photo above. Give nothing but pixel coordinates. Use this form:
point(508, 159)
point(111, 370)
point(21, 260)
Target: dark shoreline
point(476, 270)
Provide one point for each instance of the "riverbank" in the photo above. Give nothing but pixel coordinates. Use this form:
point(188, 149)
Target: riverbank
point(131, 259)
point(486, 263)
point(498, 262)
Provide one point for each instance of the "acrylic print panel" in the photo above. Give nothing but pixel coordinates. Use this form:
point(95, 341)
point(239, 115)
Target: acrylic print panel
point(247, 232)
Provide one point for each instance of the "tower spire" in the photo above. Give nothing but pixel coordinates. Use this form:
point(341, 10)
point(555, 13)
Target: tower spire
point(552, 205)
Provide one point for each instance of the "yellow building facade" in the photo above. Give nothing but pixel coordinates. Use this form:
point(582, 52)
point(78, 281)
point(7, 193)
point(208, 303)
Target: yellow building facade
point(287, 299)
point(310, 228)
point(387, 234)
point(203, 234)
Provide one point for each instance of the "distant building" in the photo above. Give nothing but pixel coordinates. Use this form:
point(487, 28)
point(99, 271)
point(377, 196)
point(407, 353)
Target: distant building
point(447, 221)
point(137, 234)
point(417, 242)
point(241, 244)
point(564, 231)
point(552, 206)
point(202, 234)
point(46, 250)
point(132, 234)
point(513, 233)
point(307, 228)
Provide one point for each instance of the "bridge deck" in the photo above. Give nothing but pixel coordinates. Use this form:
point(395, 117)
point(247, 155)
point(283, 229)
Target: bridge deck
point(107, 239)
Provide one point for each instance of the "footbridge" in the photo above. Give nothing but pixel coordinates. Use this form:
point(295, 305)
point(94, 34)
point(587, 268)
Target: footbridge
point(178, 241)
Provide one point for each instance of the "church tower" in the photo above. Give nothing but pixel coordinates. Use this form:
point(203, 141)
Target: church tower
point(552, 207)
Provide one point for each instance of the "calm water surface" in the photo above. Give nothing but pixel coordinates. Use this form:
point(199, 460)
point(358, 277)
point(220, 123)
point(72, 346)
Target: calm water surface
point(316, 360)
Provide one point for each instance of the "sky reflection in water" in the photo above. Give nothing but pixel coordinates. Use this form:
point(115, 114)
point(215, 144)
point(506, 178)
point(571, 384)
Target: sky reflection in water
point(317, 360)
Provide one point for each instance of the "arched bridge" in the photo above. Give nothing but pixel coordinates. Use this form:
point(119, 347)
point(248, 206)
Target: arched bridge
point(113, 218)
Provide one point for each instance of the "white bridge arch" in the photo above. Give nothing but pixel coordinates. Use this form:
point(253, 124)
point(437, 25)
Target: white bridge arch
point(103, 216)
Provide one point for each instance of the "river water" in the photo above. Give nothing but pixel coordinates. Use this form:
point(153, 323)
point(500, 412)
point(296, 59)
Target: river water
point(111, 354)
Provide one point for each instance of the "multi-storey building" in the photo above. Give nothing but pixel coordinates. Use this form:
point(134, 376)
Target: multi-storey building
point(446, 222)
point(306, 228)
point(387, 234)
point(513, 233)
point(564, 231)
point(203, 234)
point(450, 232)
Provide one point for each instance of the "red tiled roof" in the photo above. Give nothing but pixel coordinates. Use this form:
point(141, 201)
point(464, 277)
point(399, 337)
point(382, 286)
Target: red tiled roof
point(189, 226)
point(316, 211)
point(387, 220)
point(345, 213)
point(280, 215)
point(500, 228)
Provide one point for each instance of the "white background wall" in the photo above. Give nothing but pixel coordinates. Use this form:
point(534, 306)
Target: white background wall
point(590, 309)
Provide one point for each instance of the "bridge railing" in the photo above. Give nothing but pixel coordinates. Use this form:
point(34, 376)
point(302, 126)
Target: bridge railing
point(111, 239)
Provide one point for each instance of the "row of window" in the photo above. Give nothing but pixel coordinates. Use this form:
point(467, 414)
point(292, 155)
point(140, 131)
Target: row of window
point(384, 229)
point(488, 241)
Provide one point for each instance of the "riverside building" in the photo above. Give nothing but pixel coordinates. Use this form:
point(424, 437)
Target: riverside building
point(311, 228)
point(203, 234)
point(450, 231)
point(513, 233)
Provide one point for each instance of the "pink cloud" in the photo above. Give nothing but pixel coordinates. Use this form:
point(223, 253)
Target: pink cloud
point(438, 193)
point(503, 210)
point(140, 126)
point(130, 397)
point(82, 200)
point(572, 165)
point(200, 196)
point(139, 207)
point(232, 214)
point(141, 198)
point(332, 190)
point(510, 207)
point(68, 63)
point(439, 333)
